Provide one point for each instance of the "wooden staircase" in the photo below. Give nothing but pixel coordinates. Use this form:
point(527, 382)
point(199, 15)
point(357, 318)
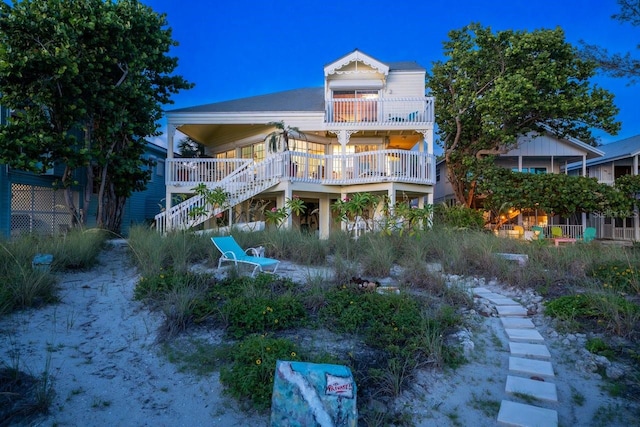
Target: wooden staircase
point(239, 186)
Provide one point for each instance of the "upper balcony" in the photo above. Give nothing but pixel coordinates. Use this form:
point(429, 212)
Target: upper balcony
point(393, 113)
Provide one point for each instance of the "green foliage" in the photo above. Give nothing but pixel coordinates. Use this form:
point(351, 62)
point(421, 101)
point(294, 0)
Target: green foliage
point(248, 315)
point(618, 276)
point(278, 140)
point(361, 205)
point(458, 216)
point(249, 376)
point(570, 306)
point(214, 201)
point(167, 281)
point(277, 216)
point(598, 346)
point(618, 64)
point(552, 193)
point(87, 80)
point(494, 87)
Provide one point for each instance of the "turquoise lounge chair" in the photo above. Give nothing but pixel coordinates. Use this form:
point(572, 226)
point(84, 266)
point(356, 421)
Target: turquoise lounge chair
point(232, 252)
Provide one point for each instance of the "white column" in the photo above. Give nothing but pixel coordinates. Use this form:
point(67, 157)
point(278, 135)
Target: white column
point(168, 170)
point(324, 217)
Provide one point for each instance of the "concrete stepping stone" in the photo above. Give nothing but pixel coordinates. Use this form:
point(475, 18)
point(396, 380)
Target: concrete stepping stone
point(521, 415)
point(538, 389)
point(534, 351)
point(502, 301)
point(517, 323)
point(480, 290)
point(540, 368)
point(524, 335)
point(511, 310)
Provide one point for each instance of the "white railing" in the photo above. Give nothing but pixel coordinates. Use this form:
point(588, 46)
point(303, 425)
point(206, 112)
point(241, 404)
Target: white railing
point(573, 231)
point(191, 172)
point(394, 111)
point(359, 168)
point(251, 178)
point(247, 181)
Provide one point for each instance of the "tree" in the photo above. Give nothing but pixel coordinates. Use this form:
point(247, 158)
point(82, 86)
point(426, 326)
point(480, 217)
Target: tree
point(278, 140)
point(87, 80)
point(496, 87)
point(189, 148)
point(559, 194)
point(617, 64)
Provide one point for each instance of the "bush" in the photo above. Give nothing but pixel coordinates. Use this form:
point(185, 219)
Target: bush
point(250, 374)
point(458, 216)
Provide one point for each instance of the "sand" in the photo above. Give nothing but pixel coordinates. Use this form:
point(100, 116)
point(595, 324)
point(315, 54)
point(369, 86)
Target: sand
point(100, 346)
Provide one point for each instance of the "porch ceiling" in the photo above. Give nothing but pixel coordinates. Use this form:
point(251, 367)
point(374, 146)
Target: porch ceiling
point(221, 134)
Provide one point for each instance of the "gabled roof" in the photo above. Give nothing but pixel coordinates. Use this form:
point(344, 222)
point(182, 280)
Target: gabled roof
point(382, 67)
point(307, 99)
point(356, 56)
point(624, 148)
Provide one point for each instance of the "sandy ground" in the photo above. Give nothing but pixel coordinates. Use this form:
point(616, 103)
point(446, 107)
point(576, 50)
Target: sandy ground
point(100, 346)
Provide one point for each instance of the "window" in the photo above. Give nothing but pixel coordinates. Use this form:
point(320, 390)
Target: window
point(437, 174)
point(255, 152)
point(160, 167)
point(531, 170)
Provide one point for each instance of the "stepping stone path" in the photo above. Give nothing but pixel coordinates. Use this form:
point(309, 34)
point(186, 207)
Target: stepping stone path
point(530, 369)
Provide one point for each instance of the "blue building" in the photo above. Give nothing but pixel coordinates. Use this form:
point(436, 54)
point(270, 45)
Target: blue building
point(30, 202)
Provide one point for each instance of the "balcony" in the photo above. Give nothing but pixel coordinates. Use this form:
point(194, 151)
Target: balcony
point(401, 113)
point(360, 168)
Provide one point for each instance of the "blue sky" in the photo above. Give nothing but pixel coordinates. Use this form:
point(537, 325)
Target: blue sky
point(232, 48)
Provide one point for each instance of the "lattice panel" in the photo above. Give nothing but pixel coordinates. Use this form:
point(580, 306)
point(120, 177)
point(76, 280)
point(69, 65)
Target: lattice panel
point(39, 210)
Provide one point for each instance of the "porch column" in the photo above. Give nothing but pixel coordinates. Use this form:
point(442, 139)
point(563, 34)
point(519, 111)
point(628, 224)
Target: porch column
point(324, 217)
point(520, 163)
point(168, 172)
point(343, 138)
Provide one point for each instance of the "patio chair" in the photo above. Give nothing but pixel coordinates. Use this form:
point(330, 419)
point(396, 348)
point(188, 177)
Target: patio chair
point(556, 232)
point(589, 234)
point(538, 231)
point(232, 252)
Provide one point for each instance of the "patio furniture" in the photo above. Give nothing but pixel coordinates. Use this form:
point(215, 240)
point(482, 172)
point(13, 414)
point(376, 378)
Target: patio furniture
point(232, 252)
point(559, 240)
point(589, 234)
point(538, 231)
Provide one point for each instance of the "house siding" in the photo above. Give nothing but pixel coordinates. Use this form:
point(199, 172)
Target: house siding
point(405, 84)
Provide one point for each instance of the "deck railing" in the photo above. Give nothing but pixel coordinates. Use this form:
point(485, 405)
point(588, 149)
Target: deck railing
point(358, 168)
point(393, 112)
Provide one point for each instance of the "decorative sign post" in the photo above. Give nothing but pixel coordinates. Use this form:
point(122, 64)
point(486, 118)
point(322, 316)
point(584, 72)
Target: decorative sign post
point(309, 394)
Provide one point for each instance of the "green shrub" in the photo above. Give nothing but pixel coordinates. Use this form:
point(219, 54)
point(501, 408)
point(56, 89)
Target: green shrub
point(260, 315)
point(619, 276)
point(571, 306)
point(250, 374)
point(457, 216)
point(155, 286)
point(78, 249)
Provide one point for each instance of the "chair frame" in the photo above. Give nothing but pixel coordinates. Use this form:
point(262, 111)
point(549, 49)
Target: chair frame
point(238, 255)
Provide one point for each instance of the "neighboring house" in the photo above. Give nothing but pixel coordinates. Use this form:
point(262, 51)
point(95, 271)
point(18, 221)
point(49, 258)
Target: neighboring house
point(544, 153)
point(30, 202)
point(368, 129)
point(620, 158)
